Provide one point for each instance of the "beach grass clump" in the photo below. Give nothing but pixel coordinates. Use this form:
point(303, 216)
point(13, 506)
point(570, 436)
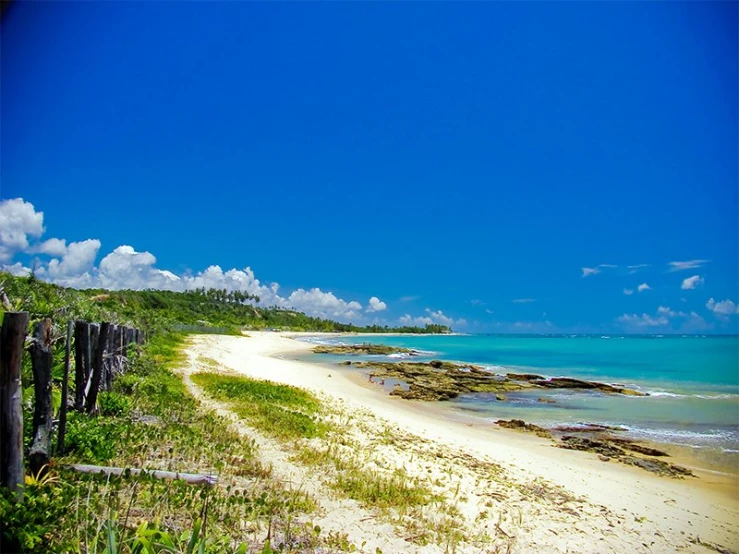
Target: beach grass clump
point(397, 490)
point(280, 411)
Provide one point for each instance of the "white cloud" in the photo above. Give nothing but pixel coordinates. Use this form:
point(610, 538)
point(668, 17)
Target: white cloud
point(409, 298)
point(433, 317)
point(323, 304)
point(690, 264)
point(376, 305)
point(52, 247)
point(17, 269)
point(644, 320)
point(723, 308)
point(587, 271)
point(628, 292)
point(407, 319)
point(73, 265)
point(77, 258)
point(477, 302)
point(643, 287)
point(637, 267)
point(18, 220)
point(488, 311)
point(692, 282)
point(523, 300)
point(669, 312)
point(439, 317)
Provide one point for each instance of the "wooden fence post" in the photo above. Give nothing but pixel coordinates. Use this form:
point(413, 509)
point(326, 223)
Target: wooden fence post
point(82, 362)
point(97, 367)
point(12, 337)
point(41, 354)
point(65, 392)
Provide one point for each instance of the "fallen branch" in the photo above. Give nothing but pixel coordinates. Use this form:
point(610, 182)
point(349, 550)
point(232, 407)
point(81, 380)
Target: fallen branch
point(191, 478)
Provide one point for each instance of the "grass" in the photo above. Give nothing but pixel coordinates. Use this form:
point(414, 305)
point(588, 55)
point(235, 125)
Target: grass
point(152, 421)
point(280, 411)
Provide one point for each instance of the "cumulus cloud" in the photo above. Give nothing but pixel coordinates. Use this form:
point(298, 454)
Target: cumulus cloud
point(690, 264)
point(692, 282)
point(431, 317)
point(407, 319)
point(669, 312)
point(681, 321)
point(628, 292)
point(73, 265)
point(376, 305)
point(723, 308)
point(643, 287)
point(323, 304)
point(52, 247)
point(18, 221)
point(644, 320)
point(77, 258)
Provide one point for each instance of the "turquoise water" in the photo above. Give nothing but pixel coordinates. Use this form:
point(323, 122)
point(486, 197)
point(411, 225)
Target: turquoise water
point(693, 382)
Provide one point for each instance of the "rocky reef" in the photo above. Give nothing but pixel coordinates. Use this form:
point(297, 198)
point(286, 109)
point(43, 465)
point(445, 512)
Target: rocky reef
point(600, 441)
point(363, 349)
point(439, 380)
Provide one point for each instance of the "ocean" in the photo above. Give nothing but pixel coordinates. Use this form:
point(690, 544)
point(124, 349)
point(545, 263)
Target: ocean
point(692, 381)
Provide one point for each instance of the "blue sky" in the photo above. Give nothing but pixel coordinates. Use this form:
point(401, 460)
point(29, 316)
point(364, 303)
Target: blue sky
point(447, 159)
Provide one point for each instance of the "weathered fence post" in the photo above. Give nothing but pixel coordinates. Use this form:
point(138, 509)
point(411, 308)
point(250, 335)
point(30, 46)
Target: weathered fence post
point(82, 362)
point(65, 392)
point(41, 354)
point(12, 337)
point(97, 367)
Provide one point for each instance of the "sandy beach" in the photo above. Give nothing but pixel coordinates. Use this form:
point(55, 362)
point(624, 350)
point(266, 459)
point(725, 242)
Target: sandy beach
point(510, 492)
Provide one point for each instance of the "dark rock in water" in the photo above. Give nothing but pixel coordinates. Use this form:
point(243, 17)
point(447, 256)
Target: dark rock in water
point(524, 376)
point(347, 362)
point(360, 349)
point(606, 451)
point(417, 392)
point(591, 445)
point(569, 383)
point(658, 466)
point(588, 428)
point(546, 400)
point(521, 425)
point(635, 447)
point(500, 397)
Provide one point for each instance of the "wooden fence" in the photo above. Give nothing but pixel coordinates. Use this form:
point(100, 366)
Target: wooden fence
point(101, 352)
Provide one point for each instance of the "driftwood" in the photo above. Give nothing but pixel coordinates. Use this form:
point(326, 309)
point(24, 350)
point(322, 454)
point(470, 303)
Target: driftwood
point(191, 478)
point(65, 392)
point(12, 337)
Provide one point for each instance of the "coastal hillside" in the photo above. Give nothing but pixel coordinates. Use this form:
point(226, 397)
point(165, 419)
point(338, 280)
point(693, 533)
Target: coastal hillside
point(202, 310)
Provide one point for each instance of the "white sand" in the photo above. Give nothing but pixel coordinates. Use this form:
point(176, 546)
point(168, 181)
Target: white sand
point(545, 499)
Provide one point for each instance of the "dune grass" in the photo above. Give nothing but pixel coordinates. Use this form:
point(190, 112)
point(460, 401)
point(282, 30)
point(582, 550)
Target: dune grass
point(280, 411)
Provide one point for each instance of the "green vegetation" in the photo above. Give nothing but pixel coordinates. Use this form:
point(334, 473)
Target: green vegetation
point(150, 420)
point(155, 310)
point(277, 410)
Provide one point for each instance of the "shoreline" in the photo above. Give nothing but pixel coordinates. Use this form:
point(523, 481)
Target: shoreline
point(702, 506)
